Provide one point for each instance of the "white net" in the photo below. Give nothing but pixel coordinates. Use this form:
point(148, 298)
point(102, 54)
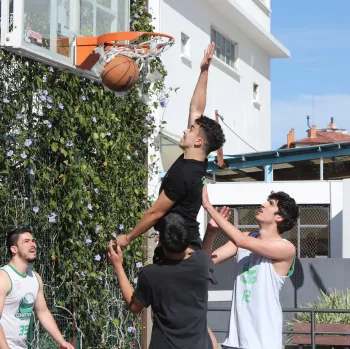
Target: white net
point(143, 53)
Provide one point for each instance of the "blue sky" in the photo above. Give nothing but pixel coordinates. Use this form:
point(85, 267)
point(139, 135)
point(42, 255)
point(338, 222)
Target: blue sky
point(315, 81)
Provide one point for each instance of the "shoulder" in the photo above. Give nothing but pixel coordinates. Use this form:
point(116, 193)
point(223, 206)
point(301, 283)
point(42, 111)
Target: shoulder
point(148, 270)
point(5, 281)
point(290, 247)
point(38, 278)
point(203, 257)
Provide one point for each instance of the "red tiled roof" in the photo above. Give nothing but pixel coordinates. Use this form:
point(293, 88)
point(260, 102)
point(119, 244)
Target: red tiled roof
point(323, 137)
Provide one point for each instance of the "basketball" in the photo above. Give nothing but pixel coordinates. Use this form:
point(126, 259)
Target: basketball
point(120, 74)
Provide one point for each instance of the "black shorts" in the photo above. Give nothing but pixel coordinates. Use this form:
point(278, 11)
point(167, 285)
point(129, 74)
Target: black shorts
point(196, 245)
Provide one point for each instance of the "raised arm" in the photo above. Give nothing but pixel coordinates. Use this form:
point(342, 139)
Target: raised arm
point(115, 255)
point(5, 287)
point(162, 205)
point(199, 98)
point(213, 229)
point(227, 250)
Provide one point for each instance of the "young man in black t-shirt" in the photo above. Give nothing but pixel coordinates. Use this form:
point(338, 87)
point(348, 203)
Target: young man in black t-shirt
point(181, 190)
point(176, 288)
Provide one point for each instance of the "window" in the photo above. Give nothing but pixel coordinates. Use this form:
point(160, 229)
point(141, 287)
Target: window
point(185, 45)
point(225, 49)
point(255, 92)
point(310, 235)
point(99, 17)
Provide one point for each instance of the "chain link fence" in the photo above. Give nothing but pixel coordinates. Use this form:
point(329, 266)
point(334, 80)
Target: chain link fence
point(310, 235)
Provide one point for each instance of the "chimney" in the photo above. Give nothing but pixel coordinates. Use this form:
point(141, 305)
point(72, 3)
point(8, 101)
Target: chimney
point(332, 124)
point(290, 138)
point(312, 132)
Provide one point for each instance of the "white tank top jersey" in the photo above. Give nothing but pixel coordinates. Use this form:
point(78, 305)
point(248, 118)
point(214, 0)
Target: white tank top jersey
point(18, 307)
point(256, 314)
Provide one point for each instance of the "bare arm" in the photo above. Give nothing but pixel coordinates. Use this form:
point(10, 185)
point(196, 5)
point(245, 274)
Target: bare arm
point(274, 249)
point(213, 229)
point(5, 287)
point(134, 304)
point(148, 220)
point(46, 319)
point(199, 98)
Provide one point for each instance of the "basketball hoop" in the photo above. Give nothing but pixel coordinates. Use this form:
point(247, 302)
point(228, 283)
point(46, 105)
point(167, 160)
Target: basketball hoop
point(96, 52)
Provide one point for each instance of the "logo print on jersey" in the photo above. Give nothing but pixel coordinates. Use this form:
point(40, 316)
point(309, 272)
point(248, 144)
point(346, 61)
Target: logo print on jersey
point(26, 306)
point(249, 276)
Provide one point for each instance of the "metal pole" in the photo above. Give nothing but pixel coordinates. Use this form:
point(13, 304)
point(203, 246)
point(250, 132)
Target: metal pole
point(313, 344)
point(298, 232)
point(321, 169)
point(214, 177)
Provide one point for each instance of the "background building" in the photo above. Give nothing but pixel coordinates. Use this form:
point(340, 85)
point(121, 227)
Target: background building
point(239, 82)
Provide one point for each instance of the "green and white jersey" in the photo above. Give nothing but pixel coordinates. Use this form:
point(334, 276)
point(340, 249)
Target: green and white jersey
point(256, 314)
point(18, 307)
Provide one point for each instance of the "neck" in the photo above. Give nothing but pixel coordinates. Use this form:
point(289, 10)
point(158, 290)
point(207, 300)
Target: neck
point(20, 265)
point(175, 256)
point(194, 154)
point(268, 232)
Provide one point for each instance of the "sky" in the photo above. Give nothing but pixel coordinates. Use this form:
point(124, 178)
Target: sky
point(315, 81)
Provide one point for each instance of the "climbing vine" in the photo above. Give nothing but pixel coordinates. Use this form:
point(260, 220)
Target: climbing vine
point(74, 165)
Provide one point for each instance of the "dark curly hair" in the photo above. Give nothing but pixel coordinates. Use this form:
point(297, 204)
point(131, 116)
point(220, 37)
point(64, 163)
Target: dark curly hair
point(173, 233)
point(212, 133)
point(287, 208)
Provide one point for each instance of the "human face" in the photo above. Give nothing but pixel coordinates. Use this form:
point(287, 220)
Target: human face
point(26, 247)
point(267, 212)
point(191, 137)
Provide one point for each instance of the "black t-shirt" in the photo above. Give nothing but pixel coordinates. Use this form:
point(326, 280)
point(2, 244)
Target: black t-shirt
point(183, 184)
point(178, 294)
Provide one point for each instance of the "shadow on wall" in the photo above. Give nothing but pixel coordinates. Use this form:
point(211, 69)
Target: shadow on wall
point(317, 279)
point(297, 280)
point(203, 15)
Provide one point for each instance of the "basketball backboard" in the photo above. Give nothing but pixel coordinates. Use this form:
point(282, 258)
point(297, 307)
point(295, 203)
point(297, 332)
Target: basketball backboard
point(46, 30)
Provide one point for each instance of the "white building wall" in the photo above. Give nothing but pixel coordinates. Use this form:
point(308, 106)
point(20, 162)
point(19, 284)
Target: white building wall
point(258, 9)
point(229, 93)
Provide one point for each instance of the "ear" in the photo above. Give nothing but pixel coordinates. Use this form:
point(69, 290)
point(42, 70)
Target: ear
point(279, 218)
point(14, 249)
point(199, 142)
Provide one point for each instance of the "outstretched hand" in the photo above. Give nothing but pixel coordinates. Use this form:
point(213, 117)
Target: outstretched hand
point(122, 240)
point(208, 56)
point(224, 212)
point(115, 254)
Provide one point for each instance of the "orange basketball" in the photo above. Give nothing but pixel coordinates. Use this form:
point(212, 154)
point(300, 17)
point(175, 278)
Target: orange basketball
point(120, 74)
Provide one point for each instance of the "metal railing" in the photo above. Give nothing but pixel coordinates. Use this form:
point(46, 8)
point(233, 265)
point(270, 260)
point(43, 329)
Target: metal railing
point(313, 331)
point(312, 311)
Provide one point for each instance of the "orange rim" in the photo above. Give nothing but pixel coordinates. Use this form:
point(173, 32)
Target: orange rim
point(86, 58)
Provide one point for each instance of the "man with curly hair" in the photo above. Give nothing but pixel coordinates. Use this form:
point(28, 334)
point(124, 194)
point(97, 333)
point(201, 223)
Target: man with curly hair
point(263, 262)
point(181, 189)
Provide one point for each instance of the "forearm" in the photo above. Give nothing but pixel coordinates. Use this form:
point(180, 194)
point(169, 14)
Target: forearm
point(148, 220)
point(208, 240)
point(124, 283)
point(48, 322)
point(234, 234)
point(3, 341)
point(199, 98)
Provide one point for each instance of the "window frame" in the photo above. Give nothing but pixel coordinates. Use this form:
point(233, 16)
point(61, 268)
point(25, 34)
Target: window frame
point(216, 36)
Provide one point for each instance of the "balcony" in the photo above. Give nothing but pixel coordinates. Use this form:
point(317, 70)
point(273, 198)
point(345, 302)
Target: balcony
point(241, 13)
